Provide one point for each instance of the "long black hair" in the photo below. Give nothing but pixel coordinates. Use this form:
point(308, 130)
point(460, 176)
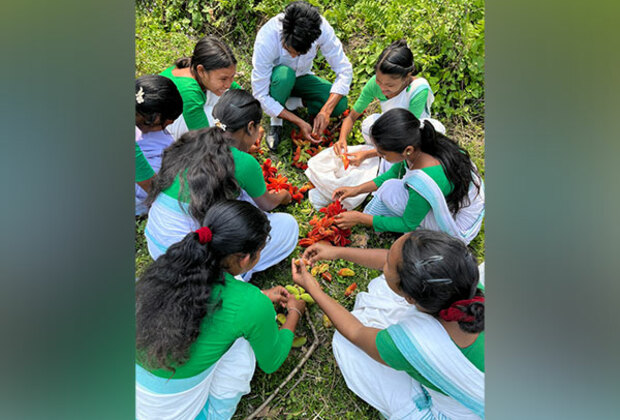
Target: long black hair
point(236, 108)
point(203, 161)
point(396, 59)
point(301, 26)
point(438, 270)
point(398, 128)
point(174, 294)
point(157, 99)
point(211, 52)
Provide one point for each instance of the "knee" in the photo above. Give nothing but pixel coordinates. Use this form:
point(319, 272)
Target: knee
point(282, 81)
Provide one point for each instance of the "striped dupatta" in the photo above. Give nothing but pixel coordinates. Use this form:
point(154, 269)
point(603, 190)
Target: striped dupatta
point(426, 345)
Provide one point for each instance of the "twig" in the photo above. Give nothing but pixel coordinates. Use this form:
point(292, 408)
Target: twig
point(315, 344)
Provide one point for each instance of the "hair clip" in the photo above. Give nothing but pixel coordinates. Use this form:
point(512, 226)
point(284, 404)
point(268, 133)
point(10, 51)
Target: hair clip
point(219, 124)
point(439, 281)
point(140, 96)
point(422, 263)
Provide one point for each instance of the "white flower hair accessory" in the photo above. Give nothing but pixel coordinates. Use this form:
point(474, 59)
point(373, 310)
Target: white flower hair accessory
point(219, 124)
point(140, 96)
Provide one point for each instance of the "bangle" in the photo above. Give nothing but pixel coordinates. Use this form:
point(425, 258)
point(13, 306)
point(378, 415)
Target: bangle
point(296, 310)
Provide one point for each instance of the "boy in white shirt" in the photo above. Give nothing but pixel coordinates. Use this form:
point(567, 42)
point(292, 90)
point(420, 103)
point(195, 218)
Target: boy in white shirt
point(282, 77)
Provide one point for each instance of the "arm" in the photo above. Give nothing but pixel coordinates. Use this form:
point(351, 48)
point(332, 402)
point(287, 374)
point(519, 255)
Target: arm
point(144, 172)
point(269, 201)
point(331, 47)
point(417, 208)
point(270, 344)
point(332, 50)
point(194, 112)
point(344, 192)
point(418, 103)
point(347, 125)
point(322, 118)
point(366, 97)
point(349, 326)
point(265, 54)
point(371, 258)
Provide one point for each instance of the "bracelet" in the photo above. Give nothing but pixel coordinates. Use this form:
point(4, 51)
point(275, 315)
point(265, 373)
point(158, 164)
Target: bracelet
point(296, 310)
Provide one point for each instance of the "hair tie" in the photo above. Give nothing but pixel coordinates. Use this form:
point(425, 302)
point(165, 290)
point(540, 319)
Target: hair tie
point(140, 96)
point(219, 124)
point(204, 235)
point(454, 313)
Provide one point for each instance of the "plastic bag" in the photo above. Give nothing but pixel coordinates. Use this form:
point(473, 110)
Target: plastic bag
point(326, 171)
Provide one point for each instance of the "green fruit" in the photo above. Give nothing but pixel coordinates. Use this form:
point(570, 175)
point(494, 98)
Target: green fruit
point(299, 341)
point(292, 290)
point(307, 298)
point(281, 318)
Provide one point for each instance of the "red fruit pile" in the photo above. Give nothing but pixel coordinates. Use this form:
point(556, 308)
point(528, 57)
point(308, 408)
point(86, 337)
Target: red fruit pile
point(278, 183)
point(324, 229)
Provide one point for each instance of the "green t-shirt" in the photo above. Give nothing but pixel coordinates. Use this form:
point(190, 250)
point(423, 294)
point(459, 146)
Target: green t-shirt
point(143, 169)
point(248, 174)
point(244, 312)
point(372, 91)
point(394, 358)
point(417, 207)
point(194, 99)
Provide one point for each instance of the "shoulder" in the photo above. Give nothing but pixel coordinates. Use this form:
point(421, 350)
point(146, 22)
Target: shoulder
point(327, 32)
point(243, 158)
point(252, 299)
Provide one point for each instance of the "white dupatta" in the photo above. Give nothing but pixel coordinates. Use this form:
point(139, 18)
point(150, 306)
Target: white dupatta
point(426, 345)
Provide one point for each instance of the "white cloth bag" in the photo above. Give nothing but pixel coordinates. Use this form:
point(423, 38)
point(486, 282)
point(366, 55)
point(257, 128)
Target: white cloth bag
point(326, 171)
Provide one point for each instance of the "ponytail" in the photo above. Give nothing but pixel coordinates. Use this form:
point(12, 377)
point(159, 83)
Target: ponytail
point(441, 274)
point(203, 162)
point(183, 63)
point(398, 128)
point(211, 53)
point(396, 59)
point(174, 294)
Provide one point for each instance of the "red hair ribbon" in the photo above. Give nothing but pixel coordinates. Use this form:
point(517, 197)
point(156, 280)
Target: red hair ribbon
point(204, 234)
point(453, 313)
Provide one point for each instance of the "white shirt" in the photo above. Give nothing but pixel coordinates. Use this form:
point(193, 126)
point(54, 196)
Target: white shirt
point(269, 52)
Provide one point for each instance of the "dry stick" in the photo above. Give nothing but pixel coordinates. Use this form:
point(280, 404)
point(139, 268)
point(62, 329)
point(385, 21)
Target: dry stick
point(315, 344)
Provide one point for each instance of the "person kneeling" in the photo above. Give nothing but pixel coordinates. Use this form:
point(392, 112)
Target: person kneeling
point(413, 347)
point(200, 331)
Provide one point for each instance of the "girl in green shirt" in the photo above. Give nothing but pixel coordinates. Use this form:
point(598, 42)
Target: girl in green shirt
point(199, 331)
point(433, 183)
point(211, 164)
point(413, 347)
point(396, 85)
point(201, 80)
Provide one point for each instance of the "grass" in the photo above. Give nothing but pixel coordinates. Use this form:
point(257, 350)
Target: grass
point(319, 388)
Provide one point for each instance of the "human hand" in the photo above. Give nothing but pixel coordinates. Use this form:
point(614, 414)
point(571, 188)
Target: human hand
point(356, 158)
point(306, 131)
point(301, 276)
point(343, 192)
point(340, 147)
point(319, 251)
point(278, 295)
point(347, 220)
point(286, 197)
point(321, 120)
point(298, 304)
